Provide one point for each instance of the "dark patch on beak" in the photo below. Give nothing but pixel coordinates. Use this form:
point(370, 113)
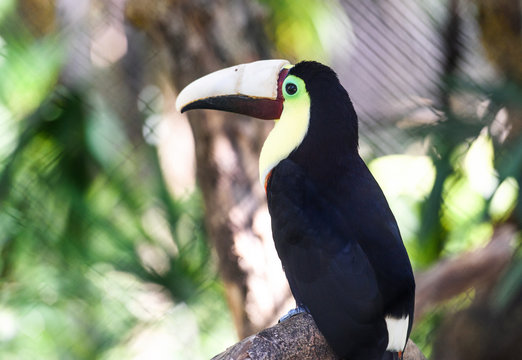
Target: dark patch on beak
point(260, 108)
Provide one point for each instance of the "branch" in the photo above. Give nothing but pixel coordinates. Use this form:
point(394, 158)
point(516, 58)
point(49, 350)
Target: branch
point(295, 338)
point(298, 337)
point(479, 269)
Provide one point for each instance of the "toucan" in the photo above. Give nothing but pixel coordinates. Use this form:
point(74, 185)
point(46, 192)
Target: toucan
point(335, 234)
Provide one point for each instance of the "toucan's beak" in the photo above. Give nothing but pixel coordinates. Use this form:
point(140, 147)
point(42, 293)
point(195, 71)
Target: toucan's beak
point(252, 89)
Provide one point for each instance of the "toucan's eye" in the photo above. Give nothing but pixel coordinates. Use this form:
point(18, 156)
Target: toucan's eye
point(290, 88)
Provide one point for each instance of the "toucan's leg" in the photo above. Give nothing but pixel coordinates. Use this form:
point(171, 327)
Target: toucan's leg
point(299, 309)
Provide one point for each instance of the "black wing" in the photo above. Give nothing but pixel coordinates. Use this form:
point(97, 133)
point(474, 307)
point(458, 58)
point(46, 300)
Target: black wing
point(326, 267)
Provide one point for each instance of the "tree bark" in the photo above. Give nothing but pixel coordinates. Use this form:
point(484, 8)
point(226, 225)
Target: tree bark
point(295, 338)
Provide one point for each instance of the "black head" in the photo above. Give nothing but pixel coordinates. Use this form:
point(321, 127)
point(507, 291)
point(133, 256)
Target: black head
point(332, 135)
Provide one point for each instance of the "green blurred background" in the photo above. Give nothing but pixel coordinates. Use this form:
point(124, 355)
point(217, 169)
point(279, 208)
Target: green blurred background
point(104, 251)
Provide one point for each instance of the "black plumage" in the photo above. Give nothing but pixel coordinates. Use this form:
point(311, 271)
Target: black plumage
point(333, 229)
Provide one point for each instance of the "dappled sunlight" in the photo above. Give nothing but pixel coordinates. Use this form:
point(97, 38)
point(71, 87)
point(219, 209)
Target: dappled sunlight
point(405, 180)
point(404, 175)
point(479, 168)
point(504, 199)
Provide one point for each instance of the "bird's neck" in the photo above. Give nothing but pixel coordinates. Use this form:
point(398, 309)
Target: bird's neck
point(287, 134)
point(331, 153)
point(327, 169)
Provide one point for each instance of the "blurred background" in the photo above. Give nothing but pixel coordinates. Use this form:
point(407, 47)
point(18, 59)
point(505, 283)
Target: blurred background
point(130, 231)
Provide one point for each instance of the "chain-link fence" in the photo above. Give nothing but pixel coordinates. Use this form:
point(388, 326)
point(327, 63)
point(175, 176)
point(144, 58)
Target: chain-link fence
point(103, 252)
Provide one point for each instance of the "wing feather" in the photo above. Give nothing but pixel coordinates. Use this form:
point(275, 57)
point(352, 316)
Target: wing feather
point(327, 269)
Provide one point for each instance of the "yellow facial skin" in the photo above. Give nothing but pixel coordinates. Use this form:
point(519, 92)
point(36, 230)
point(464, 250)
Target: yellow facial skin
point(290, 130)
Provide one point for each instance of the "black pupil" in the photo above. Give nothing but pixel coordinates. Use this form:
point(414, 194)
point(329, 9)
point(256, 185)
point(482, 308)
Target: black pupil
point(291, 88)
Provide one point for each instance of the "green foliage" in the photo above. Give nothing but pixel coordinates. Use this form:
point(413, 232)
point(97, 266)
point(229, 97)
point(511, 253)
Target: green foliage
point(425, 332)
point(475, 182)
point(478, 167)
point(308, 29)
point(29, 68)
point(471, 185)
point(73, 225)
point(92, 255)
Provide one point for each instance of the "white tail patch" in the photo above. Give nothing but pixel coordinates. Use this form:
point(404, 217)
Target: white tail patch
point(397, 332)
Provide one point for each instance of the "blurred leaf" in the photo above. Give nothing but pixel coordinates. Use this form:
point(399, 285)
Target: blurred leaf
point(30, 69)
point(309, 29)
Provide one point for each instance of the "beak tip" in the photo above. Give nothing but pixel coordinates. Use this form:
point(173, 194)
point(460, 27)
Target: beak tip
point(182, 107)
point(179, 106)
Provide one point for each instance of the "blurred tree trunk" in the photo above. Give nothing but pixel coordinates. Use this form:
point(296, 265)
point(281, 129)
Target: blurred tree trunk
point(201, 37)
